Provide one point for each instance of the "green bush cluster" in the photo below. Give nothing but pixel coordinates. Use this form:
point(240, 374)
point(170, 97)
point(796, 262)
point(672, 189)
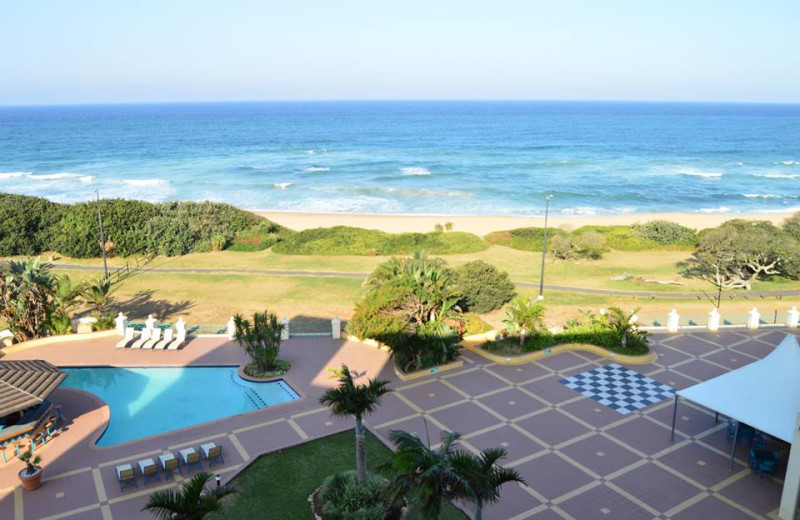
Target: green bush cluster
point(31, 225)
point(344, 240)
point(483, 287)
point(342, 497)
point(473, 324)
point(589, 244)
point(658, 234)
point(27, 224)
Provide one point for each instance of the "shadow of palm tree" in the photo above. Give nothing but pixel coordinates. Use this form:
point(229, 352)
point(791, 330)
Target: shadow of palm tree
point(142, 303)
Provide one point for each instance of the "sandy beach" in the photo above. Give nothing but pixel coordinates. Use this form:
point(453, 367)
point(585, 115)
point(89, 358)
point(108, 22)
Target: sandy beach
point(483, 224)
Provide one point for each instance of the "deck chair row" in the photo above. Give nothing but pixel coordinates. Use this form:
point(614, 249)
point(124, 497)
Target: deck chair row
point(168, 465)
point(153, 339)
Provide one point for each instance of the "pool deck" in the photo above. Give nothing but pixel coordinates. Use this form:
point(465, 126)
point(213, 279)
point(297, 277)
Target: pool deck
point(581, 460)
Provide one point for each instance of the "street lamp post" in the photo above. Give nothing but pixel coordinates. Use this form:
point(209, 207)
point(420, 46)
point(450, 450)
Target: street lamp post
point(102, 234)
point(544, 246)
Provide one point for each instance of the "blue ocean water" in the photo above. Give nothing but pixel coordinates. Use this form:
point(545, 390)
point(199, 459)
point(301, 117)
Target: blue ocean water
point(413, 157)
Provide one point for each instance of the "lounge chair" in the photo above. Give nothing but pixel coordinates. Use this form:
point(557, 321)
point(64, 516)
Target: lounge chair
point(127, 339)
point(143, 338)
point(212, 453)
point(169, 464)
point(149, 470)
point(155, 337)
point(191, 458)
point(126, 477)
point(169, 336)
point(179, 341)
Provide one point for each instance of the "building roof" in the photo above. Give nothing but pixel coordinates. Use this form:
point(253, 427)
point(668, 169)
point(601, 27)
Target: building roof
point(26, 383)
point(764, 394)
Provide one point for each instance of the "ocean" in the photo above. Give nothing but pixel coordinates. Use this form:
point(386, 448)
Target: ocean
point(596, 158)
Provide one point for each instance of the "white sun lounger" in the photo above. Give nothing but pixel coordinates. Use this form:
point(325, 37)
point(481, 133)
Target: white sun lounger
point(179, 341)
point(127, 339)
point(143, 338)
point(155, 337)
point(169, 335)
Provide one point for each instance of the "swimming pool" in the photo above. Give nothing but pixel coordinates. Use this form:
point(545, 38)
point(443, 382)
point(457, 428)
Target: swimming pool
point(152, 400)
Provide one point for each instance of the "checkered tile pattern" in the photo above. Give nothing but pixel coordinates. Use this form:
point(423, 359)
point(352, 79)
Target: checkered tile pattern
point(619, 388)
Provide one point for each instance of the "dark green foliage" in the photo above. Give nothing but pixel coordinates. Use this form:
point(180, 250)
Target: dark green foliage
point(667, 233)
point(31, 225)
point(193, 501)
point(260, 338)
point(524, 239)
point(792, 226)
point(483, 287)
point(343, 498)
point(343, 240)
point(379, 311)
point(26, 224)
point(26, 298)
point(429, 345)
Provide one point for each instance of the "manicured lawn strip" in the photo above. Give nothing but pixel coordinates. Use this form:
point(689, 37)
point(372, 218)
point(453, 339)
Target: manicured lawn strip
point(277, 486)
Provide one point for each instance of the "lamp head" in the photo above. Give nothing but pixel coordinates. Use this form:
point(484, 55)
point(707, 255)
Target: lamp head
point(549, 197)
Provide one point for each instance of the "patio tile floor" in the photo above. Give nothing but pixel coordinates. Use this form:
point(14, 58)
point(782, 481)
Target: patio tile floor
point(648, 476)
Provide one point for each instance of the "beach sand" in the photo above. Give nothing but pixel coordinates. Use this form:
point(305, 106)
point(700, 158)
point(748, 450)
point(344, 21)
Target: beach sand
point(483, 224)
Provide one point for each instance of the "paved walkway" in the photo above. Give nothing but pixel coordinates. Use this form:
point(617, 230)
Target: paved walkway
point(680, 295)
point(581, 459)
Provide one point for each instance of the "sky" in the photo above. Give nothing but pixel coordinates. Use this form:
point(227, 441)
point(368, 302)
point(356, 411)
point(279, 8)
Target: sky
point(100, 51)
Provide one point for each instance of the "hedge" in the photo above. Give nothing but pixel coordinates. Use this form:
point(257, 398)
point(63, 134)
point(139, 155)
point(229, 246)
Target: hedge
point(27, 224)
point(344, 240)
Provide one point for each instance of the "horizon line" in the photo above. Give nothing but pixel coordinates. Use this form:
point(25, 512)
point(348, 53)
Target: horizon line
point(399, 100)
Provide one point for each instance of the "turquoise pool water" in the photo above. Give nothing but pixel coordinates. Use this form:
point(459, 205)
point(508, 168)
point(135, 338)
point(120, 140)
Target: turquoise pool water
point(152, 400)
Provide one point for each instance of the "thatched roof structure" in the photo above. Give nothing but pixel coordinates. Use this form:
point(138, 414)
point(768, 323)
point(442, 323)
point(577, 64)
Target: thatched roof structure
point(26, 383)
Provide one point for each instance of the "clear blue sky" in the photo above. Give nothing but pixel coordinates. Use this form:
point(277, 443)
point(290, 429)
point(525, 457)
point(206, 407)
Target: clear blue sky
point(100, 51)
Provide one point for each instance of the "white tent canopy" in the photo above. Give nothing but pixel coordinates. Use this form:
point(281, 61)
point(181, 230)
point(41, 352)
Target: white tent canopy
point(764, 394)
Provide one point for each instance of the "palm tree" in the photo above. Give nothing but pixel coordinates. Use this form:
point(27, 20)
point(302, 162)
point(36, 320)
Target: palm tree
point(192, 502)
point(622, 323)
point(524, 315)
point(98, 294)
point(26, 298)
point(484, 476)
point(349, 399)
point(424, 476)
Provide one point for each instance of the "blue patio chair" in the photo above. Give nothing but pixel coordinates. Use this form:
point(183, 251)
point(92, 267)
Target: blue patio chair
point(767, 464)
point(126, 477)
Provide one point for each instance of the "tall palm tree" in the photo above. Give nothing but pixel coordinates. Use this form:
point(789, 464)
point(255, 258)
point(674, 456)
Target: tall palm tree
point(192, 502)
point(484, 476)
point(622, 324)
point(424, 476)
point(350, 399)
point(98, 294)
point(523, 316)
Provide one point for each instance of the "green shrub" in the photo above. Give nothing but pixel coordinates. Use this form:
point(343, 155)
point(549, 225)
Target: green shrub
point(342, 497)
point(483, 287)
point(473, 324)
point(105, 321)
point(524, 239)
point(257, 238)
point(27, 224)
point(429, 345)
point(589, 244)
point(376, 314)
point(667, 233)
point(344, 240)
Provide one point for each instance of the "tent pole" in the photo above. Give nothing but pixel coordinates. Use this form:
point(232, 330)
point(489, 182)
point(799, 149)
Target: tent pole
point(735, 442)
point(716, 418)
point(674, 417)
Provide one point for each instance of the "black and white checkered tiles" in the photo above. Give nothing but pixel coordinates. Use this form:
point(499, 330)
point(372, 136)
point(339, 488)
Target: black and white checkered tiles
point(619, 388)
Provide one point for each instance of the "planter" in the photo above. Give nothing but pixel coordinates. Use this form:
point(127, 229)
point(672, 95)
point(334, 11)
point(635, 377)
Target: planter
point(31, 482)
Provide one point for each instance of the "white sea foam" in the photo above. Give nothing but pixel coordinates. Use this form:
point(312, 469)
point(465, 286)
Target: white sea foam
point(415, 170)
point(787, 163)
point(86, 178)
point(760, 196)
point(695, 173)
point(13, 175)
point(721, 209)
point(317, 169)
point(740, 163)
point(311, 152)
point(281, 185)
point(777, 175)
point(581, 210)
point(55, 176)
point(144, 182)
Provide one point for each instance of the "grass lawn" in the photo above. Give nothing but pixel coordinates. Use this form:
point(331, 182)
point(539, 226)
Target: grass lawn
point(277, 486)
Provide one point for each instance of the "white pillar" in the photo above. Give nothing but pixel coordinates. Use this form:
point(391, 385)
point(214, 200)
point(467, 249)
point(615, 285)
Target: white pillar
point(791, 483)
point(673, 319)
point(753, 319)
point(792, 318)
point(180, 326)
point(119, 322)
point(150, 322)
point(230, 328)
point(713, 320)
point(336, 328)
point(285, 323)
